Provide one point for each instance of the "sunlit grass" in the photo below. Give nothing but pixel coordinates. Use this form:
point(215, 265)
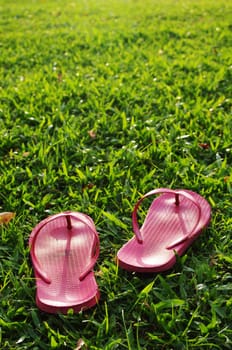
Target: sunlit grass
point(100, 103)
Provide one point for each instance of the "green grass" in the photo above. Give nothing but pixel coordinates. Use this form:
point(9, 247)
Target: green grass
point(100, 102)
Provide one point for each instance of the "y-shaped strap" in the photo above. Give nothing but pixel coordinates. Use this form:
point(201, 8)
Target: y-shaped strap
point(176, 194)
point(68, 216)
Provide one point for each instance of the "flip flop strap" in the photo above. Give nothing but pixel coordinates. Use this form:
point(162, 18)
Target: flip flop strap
point(176, 194)
point(94, 252)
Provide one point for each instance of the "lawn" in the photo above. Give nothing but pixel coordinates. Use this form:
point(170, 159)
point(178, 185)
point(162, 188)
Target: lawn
point(101, 102)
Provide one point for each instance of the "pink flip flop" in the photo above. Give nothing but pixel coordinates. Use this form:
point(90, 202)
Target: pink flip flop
point(174, 220)
point(64, 249)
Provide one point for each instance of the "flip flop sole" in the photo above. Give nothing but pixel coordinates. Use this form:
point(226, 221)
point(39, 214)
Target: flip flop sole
point(54, 305)
point(64, 249)
point(168, 229)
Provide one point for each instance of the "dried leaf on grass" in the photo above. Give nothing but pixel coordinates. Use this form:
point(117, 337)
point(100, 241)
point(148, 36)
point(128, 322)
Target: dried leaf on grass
point(204, 145)
point(81, 345)
point(92, 134)
point(6, 217)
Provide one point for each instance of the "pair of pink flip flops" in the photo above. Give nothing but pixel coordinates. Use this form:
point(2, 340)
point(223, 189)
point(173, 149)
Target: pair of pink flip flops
point(64, 247)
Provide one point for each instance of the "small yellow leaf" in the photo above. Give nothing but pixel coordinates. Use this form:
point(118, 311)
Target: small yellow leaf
point(6, 217)
point(26, 154)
